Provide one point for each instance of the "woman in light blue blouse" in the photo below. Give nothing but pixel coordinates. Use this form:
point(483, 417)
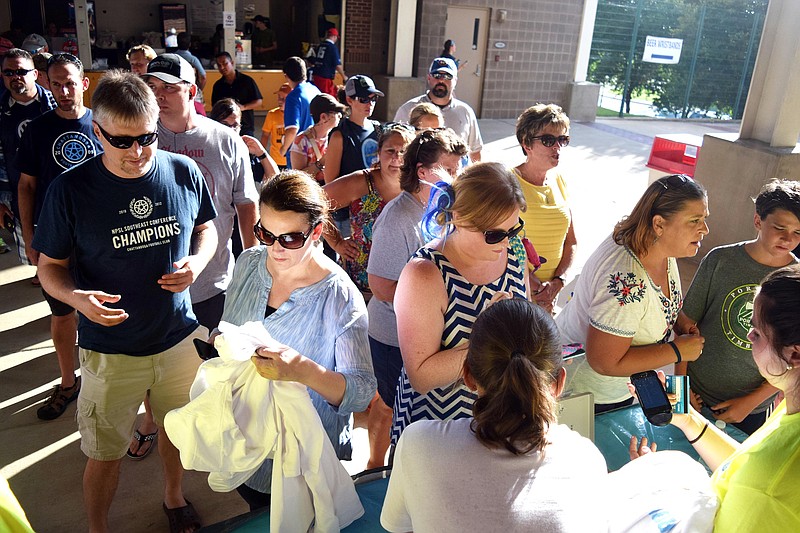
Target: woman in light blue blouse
point(308, 304)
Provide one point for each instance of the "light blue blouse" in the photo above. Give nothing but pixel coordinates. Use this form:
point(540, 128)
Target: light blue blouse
point(326, 322)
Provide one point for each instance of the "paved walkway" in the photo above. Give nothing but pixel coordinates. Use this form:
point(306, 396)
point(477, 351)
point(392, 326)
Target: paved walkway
point(606, 173)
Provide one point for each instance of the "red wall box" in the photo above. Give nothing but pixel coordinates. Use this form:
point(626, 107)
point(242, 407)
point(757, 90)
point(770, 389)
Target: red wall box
point(675, 154)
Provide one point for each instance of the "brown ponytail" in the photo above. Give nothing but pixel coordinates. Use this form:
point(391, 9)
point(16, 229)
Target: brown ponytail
point(515, 357)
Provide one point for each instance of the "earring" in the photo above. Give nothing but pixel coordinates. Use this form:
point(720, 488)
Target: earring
point(789, 367)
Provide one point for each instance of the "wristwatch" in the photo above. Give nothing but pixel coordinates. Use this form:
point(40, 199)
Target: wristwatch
point(562, 278)
point(261, 157)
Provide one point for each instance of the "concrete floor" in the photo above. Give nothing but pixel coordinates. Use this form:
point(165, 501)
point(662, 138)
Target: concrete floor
point(42, 461)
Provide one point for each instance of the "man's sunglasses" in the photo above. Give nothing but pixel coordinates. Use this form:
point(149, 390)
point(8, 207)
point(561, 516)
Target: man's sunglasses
point(290, 241)
point(550, 140)
point(367, 99)
point(10, 73)
point(123, 142)
point(442, 76)
point(493, 236)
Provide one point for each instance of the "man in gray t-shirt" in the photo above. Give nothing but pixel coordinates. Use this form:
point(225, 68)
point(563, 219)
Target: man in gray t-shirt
point(223, 158)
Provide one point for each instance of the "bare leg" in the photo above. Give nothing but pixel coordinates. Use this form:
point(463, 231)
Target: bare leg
point(379, 425)
point(147, 427)
point(173, 472)
point(100, 480)
point(64, 330)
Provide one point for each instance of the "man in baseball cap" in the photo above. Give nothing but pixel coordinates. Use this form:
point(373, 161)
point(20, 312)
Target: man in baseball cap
point(458, 115)
point(327, 63)
point(35, 43)
point(171, 68)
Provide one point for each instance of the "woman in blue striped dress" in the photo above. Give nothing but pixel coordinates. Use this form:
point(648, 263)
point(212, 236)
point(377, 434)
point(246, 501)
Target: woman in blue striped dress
point(448, 283)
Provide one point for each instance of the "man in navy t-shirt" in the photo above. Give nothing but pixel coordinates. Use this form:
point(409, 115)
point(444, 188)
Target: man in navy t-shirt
point(327, 63)
point(128, 232)
point(54, 142)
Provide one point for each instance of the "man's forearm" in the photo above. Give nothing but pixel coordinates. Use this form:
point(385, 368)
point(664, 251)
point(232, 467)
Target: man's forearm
point(247, 215)
point(204, 244)
point(26, 199)
point(57, 281)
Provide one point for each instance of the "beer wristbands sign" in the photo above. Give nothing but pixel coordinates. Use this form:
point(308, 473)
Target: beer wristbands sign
point(662, 50)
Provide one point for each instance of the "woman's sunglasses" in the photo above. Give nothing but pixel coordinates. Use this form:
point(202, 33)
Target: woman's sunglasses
point(550, 140)
point(290, 241)
point(367, 99)
point(493, 236)
point(123, 142)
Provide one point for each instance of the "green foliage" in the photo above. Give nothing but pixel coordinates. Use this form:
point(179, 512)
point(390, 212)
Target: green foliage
point(728, 33)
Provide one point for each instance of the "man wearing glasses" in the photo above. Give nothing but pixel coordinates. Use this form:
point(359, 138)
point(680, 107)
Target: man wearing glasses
point(225, 162)
point(458, 115)
point(56, 141)
point(127, 233)
point(25, 100)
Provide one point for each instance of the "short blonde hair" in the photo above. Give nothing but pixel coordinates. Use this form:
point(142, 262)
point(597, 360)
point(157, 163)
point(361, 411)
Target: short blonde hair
point(425, 109)
point(535, 119)
point(147, 51)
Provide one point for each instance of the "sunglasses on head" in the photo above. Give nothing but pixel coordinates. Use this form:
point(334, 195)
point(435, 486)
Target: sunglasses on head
point(367, 99)
point(290, 241)
point(64, 57)
point(124, 142)
point(388, 127)
point(550, 140)
point(10, 73)
point(442, 76)
point(493, 236)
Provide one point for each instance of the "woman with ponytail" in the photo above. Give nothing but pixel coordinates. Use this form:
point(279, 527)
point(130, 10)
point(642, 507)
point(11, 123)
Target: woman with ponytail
point(511, 467)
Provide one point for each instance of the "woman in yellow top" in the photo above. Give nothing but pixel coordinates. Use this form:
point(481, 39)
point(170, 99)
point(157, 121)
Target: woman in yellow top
point(758, 482)
point(542, 131)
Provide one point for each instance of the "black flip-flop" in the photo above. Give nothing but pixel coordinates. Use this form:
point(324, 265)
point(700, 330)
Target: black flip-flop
point(182, 518)
point(141, 439)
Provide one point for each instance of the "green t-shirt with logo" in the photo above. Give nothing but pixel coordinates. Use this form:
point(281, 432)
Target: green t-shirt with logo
point(720, 300)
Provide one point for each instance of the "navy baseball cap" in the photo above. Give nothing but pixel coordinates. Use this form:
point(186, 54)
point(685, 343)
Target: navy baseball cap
point(360, 86)
point(444, 64)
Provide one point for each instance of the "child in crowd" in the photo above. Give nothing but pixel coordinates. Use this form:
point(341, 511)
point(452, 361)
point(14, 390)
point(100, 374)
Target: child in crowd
point(426, 116)
point(272, 132)
point(719, 303)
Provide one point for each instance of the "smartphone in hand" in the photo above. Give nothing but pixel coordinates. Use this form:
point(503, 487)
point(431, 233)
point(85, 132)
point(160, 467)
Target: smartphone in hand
point(205, 350)
point(652, 397)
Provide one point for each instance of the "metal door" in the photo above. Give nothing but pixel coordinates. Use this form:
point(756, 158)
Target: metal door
point(469, 28)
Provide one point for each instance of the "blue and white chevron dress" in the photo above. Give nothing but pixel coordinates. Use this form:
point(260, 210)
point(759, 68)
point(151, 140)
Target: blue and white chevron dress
point(465, 302)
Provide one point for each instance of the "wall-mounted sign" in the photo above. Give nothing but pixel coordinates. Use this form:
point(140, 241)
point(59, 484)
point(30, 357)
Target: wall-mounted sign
point(499, 44)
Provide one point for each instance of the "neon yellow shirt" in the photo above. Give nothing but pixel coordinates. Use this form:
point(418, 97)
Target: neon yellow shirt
point(759, 485)
point(547, 220)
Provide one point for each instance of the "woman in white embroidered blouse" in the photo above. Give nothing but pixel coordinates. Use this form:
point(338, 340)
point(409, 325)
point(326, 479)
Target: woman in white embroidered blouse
point(629, 294)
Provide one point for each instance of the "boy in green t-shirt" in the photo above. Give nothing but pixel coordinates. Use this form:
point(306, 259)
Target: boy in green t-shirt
point(719, 304)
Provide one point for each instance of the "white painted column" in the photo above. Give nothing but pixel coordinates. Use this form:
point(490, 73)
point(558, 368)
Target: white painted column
point(230, 33)
point(402, 28)
point(585, 40)
point(772, 111)
point(82, 31)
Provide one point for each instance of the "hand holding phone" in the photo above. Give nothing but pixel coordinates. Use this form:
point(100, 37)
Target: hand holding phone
point(652, 397)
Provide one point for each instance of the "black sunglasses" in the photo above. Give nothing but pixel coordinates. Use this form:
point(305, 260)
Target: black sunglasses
point(550, 140)
point(493, 236)
point(10, 73)
point(442, 76)
point(123, 142)
point(290, 241)
point(367, 99)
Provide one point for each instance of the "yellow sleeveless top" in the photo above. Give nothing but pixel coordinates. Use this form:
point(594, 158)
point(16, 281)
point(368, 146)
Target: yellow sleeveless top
point(547, 220)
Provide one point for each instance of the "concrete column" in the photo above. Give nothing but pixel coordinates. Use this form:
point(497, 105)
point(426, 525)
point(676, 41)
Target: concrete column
point(82, 30)
point(230, 33)
point(402, 29)
point(772, 111)
point(585, 40)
